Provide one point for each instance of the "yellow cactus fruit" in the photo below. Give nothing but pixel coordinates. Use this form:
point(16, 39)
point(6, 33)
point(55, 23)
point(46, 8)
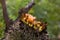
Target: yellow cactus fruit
point(30, 25)
point(40, 28)
point(35, 27)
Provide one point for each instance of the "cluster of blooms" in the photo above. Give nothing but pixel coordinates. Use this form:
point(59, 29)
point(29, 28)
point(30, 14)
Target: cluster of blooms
point(32, 22)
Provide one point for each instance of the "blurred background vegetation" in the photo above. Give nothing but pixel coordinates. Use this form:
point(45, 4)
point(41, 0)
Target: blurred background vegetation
point(46, 10)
